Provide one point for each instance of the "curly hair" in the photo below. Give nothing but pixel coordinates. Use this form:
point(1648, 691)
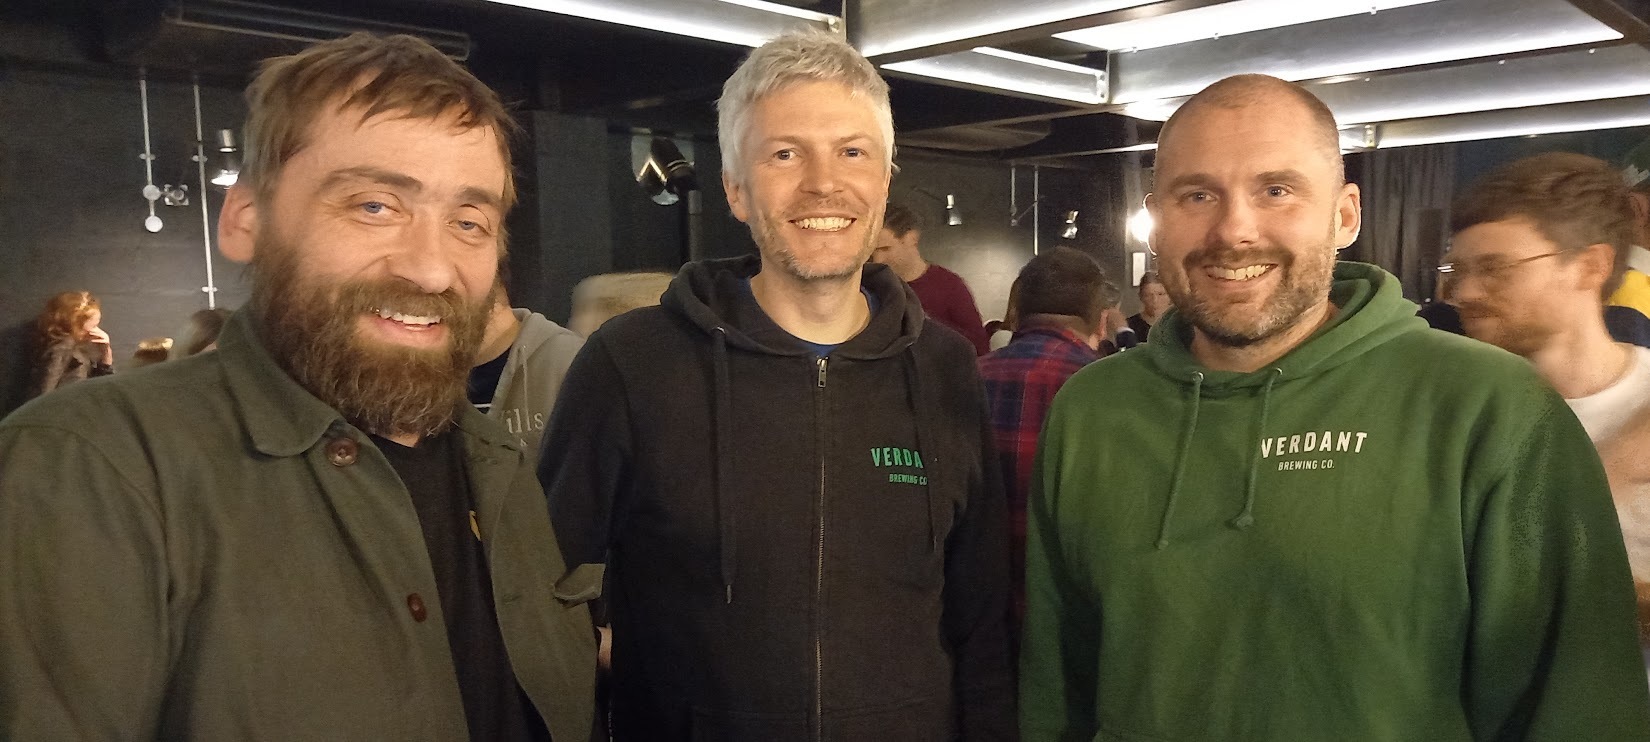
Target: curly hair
point(64, 315)
point(1573, 200)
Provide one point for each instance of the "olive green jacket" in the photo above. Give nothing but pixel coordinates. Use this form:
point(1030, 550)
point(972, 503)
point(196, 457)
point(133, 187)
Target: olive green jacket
point(202, 550)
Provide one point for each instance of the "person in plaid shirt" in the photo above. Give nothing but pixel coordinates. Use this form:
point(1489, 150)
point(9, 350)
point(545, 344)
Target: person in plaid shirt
point(1061, 311)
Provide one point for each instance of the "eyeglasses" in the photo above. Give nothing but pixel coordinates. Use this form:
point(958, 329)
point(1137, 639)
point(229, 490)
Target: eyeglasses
point(1491, 270)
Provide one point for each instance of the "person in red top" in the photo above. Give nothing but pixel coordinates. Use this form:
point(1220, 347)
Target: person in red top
point(1062, 309)
point(942, 293)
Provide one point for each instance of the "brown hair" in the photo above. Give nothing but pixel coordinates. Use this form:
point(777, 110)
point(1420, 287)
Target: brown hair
point(901, 220)
point(202, 330)
point(371, 74)
point(1063, 281)
point(1148, 278)
point(63, 316)
point(1574, 200)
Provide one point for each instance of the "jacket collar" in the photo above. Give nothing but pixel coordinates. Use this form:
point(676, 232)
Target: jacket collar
point(1047, 326)
point(281, 417)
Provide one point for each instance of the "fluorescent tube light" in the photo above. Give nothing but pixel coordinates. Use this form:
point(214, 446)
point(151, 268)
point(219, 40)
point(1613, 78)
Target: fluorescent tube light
point(742, 22)
point(1223, 20)
point(1012, 73)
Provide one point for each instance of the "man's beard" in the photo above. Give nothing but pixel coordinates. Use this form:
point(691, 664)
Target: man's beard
point(1301, 286)
point(312, 329)
point(765, 229)
point(1522, 336)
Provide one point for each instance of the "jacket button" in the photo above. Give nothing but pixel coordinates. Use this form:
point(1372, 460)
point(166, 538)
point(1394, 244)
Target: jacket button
point(415, 606)
point(342, 451)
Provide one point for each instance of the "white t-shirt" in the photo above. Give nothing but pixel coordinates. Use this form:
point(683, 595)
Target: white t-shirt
point(1604, 415)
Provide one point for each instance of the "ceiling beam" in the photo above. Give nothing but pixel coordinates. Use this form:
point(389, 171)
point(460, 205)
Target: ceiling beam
point(1635, 27)
point(1584, 116)
point(898, 30)
point(743, 24)
point(1012, 74)
point(1392, 39)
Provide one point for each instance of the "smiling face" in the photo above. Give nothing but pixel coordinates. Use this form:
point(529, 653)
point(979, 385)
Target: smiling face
point(1249, 214)
point(815, 180)
point(375, 256)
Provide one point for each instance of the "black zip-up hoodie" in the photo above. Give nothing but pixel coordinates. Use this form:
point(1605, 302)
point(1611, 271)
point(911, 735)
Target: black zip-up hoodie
point(800, 547)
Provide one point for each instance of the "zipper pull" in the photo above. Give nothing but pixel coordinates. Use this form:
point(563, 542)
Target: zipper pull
point(822, 372)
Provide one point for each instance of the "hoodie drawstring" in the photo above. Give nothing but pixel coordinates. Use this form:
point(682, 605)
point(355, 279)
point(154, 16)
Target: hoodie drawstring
point(721, 392)
point(913, 389)
point(1246, 517)
point(1180, 460)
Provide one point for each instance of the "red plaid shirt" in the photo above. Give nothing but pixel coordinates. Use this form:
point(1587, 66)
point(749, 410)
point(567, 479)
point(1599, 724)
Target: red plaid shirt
point(1020, 381)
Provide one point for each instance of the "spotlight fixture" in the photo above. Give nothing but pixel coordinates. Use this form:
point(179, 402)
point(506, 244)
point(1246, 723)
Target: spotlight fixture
point(175, 195)
point(1070, 232)
point(953, 214)
point(666, 175)
point(1140, 226)
point(226, 164)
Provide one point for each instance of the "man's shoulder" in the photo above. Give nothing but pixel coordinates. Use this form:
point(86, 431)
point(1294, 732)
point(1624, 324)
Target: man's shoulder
point(1444, 358)
point(543, 339)
point(185, 402)
point(943, 341)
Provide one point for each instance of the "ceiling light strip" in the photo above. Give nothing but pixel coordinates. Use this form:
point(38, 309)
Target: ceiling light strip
point(1015, 74)
point(1223, 21)
point(741, 22)
point(1405, 37)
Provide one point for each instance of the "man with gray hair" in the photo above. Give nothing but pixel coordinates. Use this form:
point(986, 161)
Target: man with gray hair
point(784, 469)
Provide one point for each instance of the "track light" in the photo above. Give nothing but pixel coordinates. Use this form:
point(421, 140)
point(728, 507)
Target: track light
point(1070, 232)
point(226, 164)
point(1140, 226)
point(666, 175)
point(953, 214)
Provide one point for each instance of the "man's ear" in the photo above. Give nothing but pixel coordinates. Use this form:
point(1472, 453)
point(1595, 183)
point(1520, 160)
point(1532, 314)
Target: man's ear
point(238, 224)
point(1154, 209)
point(1598, 263)
point(1348, 215)
point(736, 197)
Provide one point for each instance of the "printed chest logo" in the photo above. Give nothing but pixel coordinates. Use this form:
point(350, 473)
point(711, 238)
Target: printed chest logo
point(903, 465)
point(1315, 444)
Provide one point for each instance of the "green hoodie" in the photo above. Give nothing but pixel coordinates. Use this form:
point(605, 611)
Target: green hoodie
point(1390, 533)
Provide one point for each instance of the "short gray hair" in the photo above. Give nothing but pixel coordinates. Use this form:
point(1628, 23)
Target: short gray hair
point(793, 57)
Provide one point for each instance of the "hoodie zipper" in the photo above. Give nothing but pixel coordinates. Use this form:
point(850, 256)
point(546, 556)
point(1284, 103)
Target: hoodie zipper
point(819, 569)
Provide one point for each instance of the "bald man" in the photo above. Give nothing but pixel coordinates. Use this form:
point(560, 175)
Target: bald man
point(1294, 526)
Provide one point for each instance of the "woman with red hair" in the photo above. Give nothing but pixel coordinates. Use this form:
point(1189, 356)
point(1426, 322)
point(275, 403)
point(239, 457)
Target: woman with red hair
point(72, 346)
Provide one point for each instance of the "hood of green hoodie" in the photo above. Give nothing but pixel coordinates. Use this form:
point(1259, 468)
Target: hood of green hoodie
point(713, 295)
point(1372, 310)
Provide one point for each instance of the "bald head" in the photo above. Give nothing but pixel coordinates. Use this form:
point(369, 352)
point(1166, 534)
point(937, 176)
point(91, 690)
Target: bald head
point(1316, 121)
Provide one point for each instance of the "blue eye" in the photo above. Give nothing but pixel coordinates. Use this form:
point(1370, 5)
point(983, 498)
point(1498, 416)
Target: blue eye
point(468, 225)
point(374, 207)
point(784, 154)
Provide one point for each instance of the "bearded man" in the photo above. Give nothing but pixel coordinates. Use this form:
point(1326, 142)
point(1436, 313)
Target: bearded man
point(1299, 513)
point(308, 534)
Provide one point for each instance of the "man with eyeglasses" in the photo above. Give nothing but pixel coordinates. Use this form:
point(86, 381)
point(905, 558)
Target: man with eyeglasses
point(1538, 246)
